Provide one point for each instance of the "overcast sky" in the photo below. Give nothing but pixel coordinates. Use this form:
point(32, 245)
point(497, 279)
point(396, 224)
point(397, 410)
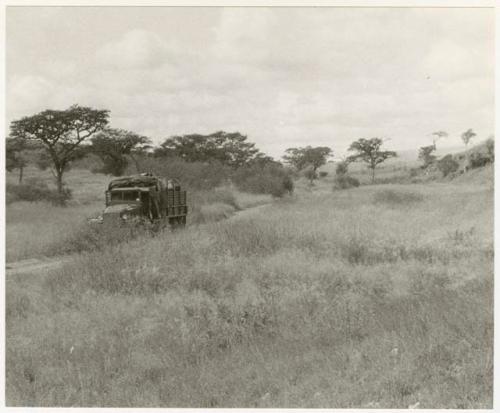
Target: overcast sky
point(283, 76)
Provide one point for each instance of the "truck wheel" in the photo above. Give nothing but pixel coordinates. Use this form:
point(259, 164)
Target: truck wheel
point(159, 225)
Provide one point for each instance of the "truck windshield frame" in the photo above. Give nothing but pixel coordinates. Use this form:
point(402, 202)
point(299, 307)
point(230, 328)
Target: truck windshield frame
point(127, 196)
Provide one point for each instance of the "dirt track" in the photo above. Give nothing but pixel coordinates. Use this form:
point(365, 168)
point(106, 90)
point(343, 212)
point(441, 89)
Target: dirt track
point(35, 265)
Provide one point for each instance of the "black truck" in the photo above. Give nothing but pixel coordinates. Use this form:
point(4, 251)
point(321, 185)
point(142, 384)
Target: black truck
point(145, 198)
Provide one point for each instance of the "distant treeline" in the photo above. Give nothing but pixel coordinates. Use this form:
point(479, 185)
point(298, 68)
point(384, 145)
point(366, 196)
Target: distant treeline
point(57, 139)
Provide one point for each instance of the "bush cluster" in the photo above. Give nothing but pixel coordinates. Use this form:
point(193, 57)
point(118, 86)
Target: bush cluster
point(259, 179)
point(342, 168)
point(270, 179)
point(36, 190)
point(478, 160)
point(447, 165)
point(345, 182)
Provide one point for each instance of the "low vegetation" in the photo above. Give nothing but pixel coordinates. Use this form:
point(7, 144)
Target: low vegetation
point(324, 300)
point(34, 190)
point(37, 230)
point(345, 182)
point(270, 179)
point(447, 165)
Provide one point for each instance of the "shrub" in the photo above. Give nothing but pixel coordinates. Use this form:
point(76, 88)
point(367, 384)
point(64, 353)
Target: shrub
point(413, 172)
point(288, 184)
point(490, 148)
point(90, 162)
point(35, 190)
point(310, 174)
point(270, 179)
point(341, 168)
point(447, 165)
point(345, 182)
point(263, 184)
point(322, 174)
point(426, 156)
point(478, 160)
point(111, 166)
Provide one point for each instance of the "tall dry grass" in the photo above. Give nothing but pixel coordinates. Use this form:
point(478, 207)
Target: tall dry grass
point(40, 229)
point(325, 300)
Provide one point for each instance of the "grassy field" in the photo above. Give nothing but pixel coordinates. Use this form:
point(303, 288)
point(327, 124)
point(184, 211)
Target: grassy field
point(379, 296)
point(39, 229)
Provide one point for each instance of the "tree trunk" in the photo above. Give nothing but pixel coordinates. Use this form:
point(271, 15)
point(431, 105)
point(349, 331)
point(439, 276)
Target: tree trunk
point(21, 170)
point(136, 163)
point(59, 181)
point(373, 175)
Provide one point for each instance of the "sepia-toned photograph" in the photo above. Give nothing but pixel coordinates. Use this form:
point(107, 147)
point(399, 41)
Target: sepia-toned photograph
point(249, 206)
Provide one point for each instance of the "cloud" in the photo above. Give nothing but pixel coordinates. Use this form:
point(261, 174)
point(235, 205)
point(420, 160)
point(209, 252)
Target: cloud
point(61, 69)
point(27, 93)
point(448, 60)
point(248, 30)
point(136, 49)
point(283, 76)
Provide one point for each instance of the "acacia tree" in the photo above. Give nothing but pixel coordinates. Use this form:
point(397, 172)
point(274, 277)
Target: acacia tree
point(312, 157)
point(61, 132)
point(426, 156)
point(438, 135)
point(309, 157)
point(425, 152)
point(262, 161)
point(467, 136)
point(113, 146)
point(15, 155)
point(368, 151)
point(228, 148)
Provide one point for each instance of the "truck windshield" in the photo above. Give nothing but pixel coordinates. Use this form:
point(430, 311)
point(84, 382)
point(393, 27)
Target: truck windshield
point(125, 196)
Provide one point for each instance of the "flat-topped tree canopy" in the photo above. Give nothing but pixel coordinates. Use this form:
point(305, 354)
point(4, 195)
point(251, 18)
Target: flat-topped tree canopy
point(61, 133)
